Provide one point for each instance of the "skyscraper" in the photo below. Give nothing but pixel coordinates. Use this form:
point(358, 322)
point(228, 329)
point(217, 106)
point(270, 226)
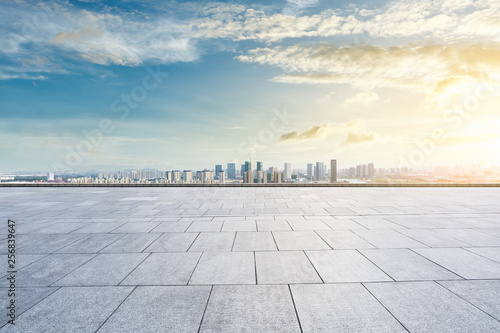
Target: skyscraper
point(231, 171)
point(222, 177)
point(371, 170)
point(188, 176)
point(320, 171)
point(333, 171)
point(248, 166)
point(218, 168)
point(310, 171)
point(288, 170)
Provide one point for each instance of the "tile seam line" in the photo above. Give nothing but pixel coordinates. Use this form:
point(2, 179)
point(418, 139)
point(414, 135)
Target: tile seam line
point(385, 308)
point(205, 309)
point(295, 308)
point(116, 309)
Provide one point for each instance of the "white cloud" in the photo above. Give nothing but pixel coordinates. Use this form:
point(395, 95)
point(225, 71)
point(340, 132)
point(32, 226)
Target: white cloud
point(362, 98)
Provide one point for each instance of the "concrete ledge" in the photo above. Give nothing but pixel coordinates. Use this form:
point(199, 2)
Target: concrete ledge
point(245, 185)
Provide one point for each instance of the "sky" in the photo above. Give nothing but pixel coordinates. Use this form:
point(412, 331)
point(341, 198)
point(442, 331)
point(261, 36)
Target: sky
point(110, 85)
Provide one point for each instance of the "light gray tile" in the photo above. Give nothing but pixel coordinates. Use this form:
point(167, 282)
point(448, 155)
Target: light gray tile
point(341, 308)
point(164, 269)
point(136, 227)
point(250, 309)
point(345, 266)
point(103, 270)
point(284, 267)
point(179, 226)
point(428, 307)
point(406, 265)
point(91, 244)
point(483, 294)
point(131, 243)
point(432, 238)
point(172, 242)
point(205, 227)
point(254, 241)
point(25, 298)
point(387, 239)
point(225, 268)
point(299, 240)
point(299, 225)
point(213, 242)
point(71, 310)
point(492, 253)
point(239, 226)
point(344, 239)
point(343, 224)
point(160, 309)
point(271, 225)
point(50, 244)
point(99, 227)
point(377, 223)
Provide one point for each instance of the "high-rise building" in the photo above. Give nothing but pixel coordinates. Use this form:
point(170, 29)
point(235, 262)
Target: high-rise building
point(261, 177)
point(371, 170)
point(288, 170)
point(333, 171)
point(231, 171)
point(242, 171)
point(205, 176)
point(248, 166)
point(188, 176)
point(277, 177)
point(260, 166)
point(222, 177)
point(248, 177)
point(50, 176)
point(320, 171)
point(218, 168)
point(168, 176)
point(310, 171)
point(176, 176)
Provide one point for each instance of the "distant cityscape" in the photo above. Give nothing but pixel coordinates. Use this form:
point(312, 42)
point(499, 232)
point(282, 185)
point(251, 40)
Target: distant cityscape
point(248, 173)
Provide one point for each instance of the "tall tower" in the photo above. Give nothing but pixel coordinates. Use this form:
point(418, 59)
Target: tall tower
point(333, 171)
point(288, 170)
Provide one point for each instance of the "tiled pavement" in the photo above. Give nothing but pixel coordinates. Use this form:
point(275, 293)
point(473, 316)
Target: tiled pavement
point(254, 259)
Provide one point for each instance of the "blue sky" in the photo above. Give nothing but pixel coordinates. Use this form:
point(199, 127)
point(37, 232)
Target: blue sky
point(357, 81)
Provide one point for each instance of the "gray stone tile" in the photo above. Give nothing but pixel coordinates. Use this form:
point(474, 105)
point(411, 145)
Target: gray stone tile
point(213, 242)
point(160, 309)
point(387, 239)
point(172, 242)
point(284, 267)
point(428, 307)
point(254, 241)
point(406, 265)
point(225, 268)
point(271, 225)
point(239, 226)
point(341, 308)
point(343, 224)
point(492, 253)
point(205, 227)
point(300, 225)
point(299, 240)
point(377, 223)
point(164, 269)
point(91, 244)
point(344, 239)
point(99, 227)
point(345, 266)
point(250, 309)
point(51, 244)
point(471, 237)
point(136, 227)
point(463, 263)
point(432, 238)
point(180, 226)
point(71, 310)
point(25, 298)
point(103, 270)
point(131, 243)
point(46, 271)
point(483, 294)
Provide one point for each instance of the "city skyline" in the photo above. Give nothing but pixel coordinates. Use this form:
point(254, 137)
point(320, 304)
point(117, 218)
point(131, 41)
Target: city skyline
point(110, 85)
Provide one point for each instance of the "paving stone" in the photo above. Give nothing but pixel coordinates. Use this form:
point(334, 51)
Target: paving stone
point(104, 269)
point(225, 268)
point(96, 227)
point(239, 226)
point(164, 269)
point(298, 225)
point(483, 294)
point(463, 263)
point(271, 225)
point(172, 242)
point(51, 243)
point(386, 239)
point(344, 239)
point(428, 307)
point(71, 310)
point(180, 226)
point(160, 309)
point(91, 244)
point(341, 308)
point(345, 266)
point(213, 242)
point(492, 253)
point(432, 238)
point(131, 243)
point(299, 240)
point(254, 241)
point(250, 309)
point(406, 265)
point(25, 298)
point(205, 227)
point(133, 227)
point(284, 268)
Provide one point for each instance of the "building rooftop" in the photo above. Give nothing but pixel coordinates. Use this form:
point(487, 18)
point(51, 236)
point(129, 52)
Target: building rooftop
point(253, 259)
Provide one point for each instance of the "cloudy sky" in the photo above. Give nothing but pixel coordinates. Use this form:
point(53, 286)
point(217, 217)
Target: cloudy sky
point(186, 85)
